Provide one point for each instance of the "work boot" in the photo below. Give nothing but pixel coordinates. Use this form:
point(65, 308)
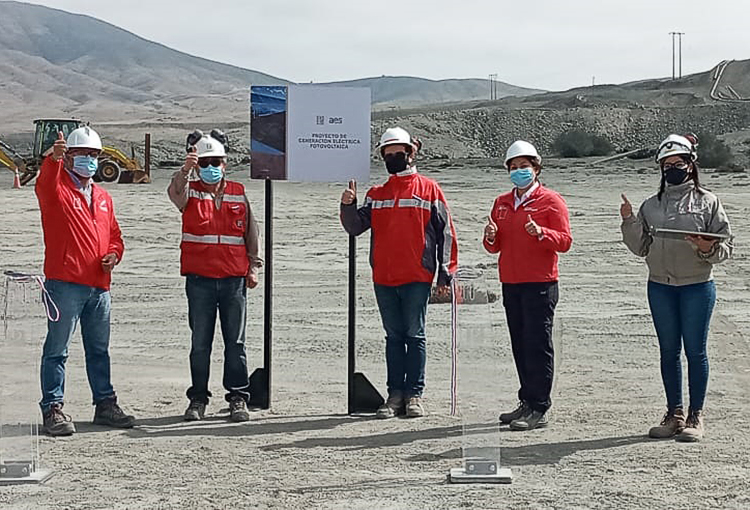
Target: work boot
point(515, 414)
point(693, 430)
point(672, 423)
point(530, 420)
point(414, 408)
point(110, 414)
point(57, 423)
point(195, 412)
point(238, 409)
point(394, 406)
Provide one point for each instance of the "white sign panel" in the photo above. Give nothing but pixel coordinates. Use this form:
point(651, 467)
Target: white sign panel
point(328, 134)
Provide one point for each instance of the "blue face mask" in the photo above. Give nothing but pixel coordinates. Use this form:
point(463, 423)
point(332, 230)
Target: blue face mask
point(211, 174)
point(522, 177)
point(85, 166)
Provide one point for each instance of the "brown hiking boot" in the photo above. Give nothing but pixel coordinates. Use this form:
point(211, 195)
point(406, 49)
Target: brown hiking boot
point(57, 423)
point(693, 430)
point(414, 408)
point(195, 411)
point(110, 414)
point(672, 423)
point(238, 409)
point(394, 406)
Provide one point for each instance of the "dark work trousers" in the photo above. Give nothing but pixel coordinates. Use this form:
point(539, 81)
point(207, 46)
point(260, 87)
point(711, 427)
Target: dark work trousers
point(530, 311)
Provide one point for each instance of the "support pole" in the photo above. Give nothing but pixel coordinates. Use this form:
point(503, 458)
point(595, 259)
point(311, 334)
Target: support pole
point(147, 155)
point(268, 291)
point(352, 323)
point(363, 397)
point(260, 379)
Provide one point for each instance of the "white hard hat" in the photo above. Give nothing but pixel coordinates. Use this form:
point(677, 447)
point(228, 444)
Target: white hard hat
point(520, 148)
point(209, 147)
point(395, 136)
point(84, 138)
point(676, 145)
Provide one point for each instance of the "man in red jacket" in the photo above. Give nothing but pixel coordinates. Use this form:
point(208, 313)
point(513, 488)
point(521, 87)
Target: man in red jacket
point(220, 260)
point(83, 244)
point(528, 227)
point(412, 239)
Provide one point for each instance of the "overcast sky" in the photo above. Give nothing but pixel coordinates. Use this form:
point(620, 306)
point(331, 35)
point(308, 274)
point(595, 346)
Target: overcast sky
point(549, 44)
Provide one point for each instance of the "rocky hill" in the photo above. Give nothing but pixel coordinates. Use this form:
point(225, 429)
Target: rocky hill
point(406, 91)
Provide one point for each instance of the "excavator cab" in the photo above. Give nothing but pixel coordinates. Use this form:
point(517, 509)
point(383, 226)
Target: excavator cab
point(47, 132)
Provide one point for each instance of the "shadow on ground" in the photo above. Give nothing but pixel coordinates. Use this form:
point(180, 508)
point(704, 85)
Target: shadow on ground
point(541, 453)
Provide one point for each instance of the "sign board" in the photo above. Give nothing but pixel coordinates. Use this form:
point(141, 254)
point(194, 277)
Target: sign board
point(307, 133)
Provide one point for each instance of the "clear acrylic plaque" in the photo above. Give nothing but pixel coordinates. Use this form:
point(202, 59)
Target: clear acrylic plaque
point(484, 382)
point(24, 326)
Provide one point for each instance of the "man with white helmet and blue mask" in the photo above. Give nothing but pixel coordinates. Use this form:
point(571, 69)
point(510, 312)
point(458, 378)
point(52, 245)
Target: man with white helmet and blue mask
point(83, 244)
point(220, 260)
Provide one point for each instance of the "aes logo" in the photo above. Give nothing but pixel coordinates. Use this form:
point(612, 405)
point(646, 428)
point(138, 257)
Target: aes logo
point(320, 120)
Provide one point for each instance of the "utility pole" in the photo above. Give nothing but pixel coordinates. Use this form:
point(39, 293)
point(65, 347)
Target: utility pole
point(493, 86)
point(679, 34)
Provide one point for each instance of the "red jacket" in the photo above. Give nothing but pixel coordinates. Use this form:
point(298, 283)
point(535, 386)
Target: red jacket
point(524, 258)
point(75, 238)
point(213, 240)
point(412, 231)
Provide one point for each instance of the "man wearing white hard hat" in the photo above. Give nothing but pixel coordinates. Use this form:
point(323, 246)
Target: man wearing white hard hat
point(83, 244)
point(412, 239)
point(528, 227)
point(220, 261)
point(681, 291)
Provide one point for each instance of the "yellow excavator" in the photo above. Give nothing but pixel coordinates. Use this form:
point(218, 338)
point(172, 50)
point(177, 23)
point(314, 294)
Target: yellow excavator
point(114, 165)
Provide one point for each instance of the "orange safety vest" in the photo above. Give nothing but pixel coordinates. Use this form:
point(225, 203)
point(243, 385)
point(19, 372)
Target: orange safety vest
point(213, 240)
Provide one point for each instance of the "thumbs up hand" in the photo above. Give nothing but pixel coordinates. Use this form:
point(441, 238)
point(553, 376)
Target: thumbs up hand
point(350, 194)
point(490, 230)
point(532, 228)
point(626, 209)
point(59, 148)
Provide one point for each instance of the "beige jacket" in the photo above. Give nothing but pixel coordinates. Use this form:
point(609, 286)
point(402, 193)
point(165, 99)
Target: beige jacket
point(673, 260)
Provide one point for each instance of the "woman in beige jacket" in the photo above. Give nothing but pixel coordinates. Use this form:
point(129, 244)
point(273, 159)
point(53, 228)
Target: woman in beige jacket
point(681, 291)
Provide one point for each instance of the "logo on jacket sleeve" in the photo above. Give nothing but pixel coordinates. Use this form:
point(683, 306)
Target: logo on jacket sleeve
point(103, 206)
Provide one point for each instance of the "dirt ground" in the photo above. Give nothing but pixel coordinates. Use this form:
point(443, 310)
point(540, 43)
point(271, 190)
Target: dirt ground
point(307, 453)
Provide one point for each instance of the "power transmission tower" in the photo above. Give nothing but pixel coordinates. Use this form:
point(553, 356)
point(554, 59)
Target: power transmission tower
point(493, 86)
point(679, 35)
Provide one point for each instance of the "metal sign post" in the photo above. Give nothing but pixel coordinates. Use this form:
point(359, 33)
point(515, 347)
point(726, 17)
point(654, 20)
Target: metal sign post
point(260, 379)
point(362, 395)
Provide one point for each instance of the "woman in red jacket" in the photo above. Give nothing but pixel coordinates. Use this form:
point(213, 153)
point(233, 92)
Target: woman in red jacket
point(527, 228)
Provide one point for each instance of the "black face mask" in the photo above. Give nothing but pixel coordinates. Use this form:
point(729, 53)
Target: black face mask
point(675, 175)
point(396, 163)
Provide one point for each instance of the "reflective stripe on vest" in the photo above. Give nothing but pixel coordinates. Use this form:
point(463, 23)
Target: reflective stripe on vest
point(204, 195)
point(212, 239)
point(415, 202)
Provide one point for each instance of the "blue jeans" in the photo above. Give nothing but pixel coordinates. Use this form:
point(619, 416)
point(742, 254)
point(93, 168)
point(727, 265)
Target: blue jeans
point(403, 309)
point(681, 317)
point(90, 306)
point(206, 296)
